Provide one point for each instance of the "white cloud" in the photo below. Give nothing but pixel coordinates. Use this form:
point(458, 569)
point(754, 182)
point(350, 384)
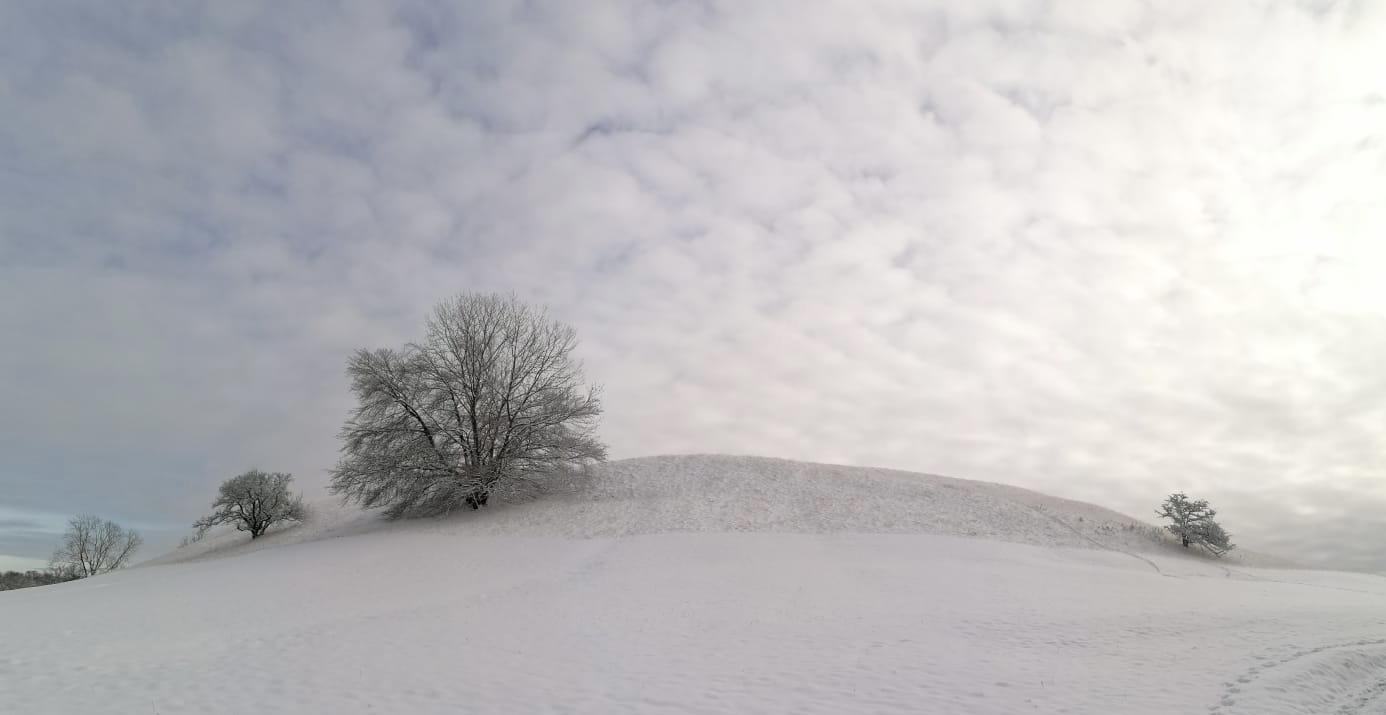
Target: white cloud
point(1105, 250)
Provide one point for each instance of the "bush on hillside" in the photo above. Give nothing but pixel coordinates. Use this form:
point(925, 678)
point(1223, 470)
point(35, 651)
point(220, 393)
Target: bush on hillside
point(254, 502)
point(492, 397)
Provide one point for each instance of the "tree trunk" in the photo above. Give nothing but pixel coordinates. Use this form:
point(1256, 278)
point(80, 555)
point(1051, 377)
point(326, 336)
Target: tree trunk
point(477, 499)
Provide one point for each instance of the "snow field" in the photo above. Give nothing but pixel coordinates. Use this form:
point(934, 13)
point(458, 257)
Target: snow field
point(526, 609)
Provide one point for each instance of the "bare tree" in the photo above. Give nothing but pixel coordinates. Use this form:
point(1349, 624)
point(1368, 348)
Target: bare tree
point(254, 502)
point(92, 546)
point(491, 397)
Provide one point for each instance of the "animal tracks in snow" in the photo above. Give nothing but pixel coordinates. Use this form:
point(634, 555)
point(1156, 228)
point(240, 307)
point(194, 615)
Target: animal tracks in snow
point(1340, 678)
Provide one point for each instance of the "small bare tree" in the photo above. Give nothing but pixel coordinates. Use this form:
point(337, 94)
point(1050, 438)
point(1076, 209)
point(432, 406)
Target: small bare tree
point(92, 546)
point(254, 502)
point(492, 396)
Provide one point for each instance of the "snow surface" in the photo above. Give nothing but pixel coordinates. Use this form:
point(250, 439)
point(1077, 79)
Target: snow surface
point(709, 585)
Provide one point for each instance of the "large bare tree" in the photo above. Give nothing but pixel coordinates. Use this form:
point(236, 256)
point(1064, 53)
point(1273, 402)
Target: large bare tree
point(493, 396)
point(254, 502)
point(92, 546)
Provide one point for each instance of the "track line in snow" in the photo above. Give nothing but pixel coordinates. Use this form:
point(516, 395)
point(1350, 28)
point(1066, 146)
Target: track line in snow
point(1099, 544)
point(1342, 678)
point(1256, 577)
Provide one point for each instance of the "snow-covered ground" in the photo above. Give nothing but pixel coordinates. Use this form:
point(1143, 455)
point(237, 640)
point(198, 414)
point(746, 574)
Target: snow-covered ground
point(705, 584)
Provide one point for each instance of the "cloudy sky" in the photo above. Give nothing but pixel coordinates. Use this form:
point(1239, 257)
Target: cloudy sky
point(1104, 250)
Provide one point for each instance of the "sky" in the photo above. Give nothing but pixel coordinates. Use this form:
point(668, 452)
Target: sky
point(1104, 250)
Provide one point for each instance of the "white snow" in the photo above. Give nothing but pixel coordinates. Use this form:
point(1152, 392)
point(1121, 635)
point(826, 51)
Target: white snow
point(707, 585)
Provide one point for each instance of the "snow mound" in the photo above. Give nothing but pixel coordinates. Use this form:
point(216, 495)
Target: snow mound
point(714, 493)
point(726, 494)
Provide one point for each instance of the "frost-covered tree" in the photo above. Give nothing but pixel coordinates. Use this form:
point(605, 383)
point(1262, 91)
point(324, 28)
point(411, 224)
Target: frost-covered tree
point(254, 502)
point(1193, 521)
point(92, 546)
point(491, 397)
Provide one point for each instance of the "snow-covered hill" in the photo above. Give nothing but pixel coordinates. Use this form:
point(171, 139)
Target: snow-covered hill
point(718, 493)
point(704, 584)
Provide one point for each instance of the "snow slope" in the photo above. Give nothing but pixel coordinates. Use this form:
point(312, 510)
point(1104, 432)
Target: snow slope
point(718, 493)
point(580, 602)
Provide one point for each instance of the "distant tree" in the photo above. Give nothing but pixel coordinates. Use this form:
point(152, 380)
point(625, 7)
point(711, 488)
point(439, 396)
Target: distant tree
point(27, 579)
point(92, 546)
point(492, 396)
point(254, 502)
point(1193, 521)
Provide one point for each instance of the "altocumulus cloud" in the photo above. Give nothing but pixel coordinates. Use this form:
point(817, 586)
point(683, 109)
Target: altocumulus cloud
point(1104, 250)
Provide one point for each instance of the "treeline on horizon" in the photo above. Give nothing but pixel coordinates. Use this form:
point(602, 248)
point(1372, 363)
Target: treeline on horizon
point(10, 580)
